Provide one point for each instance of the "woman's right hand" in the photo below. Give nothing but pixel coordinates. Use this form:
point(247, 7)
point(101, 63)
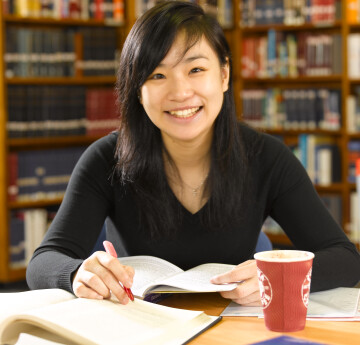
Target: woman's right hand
point(101, 273)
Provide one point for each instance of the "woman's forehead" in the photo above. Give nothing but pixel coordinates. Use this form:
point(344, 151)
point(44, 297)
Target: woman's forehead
point(185, 49)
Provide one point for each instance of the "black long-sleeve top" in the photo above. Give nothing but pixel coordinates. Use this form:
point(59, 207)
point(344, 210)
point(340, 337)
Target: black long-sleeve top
point(283, 191)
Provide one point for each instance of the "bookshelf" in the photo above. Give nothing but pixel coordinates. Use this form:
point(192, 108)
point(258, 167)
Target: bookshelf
point(250, 28)
point(77, 26)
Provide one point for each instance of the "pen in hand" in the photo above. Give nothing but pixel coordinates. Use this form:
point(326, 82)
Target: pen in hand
point(111, 250)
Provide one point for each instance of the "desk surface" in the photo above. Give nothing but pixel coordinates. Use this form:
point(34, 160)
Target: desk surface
point(247, 330)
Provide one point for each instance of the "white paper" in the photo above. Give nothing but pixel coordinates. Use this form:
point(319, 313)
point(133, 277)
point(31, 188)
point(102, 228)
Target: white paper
point(340, 303)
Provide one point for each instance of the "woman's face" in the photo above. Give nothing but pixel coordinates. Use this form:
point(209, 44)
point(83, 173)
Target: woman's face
point(184, 94)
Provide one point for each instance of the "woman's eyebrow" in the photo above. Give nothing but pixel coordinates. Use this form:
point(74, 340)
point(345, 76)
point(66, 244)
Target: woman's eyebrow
point(186, 60)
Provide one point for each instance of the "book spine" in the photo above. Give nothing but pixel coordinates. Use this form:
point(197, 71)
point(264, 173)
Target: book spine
point(17, 240)
point(119, 10)
point(352, 11)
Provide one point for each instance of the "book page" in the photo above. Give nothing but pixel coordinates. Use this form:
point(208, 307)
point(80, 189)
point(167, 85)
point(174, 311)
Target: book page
point(15, 302)
point(108, 322)
point(197, 279)
point(148, 270)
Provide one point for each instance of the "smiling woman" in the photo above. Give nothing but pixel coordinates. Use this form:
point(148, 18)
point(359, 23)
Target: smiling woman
point(184, 96)
point(182, 179)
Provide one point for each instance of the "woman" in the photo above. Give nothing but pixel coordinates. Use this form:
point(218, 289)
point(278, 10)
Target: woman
point(182, 179)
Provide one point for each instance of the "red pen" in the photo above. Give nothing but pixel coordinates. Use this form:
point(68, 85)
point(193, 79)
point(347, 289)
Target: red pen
point(111, 250)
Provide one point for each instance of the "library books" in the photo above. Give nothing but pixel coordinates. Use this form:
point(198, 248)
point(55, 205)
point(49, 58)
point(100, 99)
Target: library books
point(320, 156)
point(35, 52)
point(110, 10)
point(60, 318)
point(27, 230)
point(297, 109)
point(44, 111)
point(101, 111)
point(221, 9)
point(280, 54)
point(41, 174)
point(269, 12)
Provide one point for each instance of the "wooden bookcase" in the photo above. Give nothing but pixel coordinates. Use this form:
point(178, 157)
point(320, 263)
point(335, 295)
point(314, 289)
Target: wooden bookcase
point(8, 274)
point(341, 81)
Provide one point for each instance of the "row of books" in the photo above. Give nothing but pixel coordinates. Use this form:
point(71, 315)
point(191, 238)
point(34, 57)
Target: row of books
point(320, 156)
point(40, 174)
point(276, 108)
point(288, 12)
point(111, 10)
point(35, 52)
point(221, 9)
point(27, 229)
point(39, 111)
point(280, 54)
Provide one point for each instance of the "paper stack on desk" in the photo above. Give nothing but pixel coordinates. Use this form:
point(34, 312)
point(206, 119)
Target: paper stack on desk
point(340, 304)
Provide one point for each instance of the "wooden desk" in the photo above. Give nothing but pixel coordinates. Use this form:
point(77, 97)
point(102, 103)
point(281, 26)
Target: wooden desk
point(247, 330)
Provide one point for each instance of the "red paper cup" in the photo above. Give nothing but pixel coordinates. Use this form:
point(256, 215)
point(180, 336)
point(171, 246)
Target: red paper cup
point(284, 279)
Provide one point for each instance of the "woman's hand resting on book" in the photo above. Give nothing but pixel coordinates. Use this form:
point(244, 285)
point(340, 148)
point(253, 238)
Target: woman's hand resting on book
point(247, 291)
point(99, 274)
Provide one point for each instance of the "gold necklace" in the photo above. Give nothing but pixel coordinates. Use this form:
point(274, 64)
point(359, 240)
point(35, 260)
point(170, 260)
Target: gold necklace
point(195, 191)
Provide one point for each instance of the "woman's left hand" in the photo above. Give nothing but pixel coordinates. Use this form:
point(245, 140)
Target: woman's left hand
point(247, 292)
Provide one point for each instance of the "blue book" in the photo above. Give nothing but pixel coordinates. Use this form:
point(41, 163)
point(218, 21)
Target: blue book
point(17, 239)
point(271, 53)
point(287, 340)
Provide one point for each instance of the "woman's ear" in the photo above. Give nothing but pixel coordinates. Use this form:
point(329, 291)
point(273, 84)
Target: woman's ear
point(225, 75)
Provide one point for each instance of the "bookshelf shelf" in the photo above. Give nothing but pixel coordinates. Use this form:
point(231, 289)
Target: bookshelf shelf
point(282, 240)
point(295, 80)
point(16, 274)
point(354, 136)
point(292, 132)
point(35, 203)
point(12, 19)
point(62, 80)
point(335, 187)
point(22, 143)
point(283, 27)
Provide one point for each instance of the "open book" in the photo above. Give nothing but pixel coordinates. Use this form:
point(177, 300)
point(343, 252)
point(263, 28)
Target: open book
point(58, 317)
point(155, 275)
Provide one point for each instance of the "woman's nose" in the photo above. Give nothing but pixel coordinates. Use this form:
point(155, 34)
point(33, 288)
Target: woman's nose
point(180, 90)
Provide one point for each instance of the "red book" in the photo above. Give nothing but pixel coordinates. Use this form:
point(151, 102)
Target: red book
point(99, 9)
point(12, 176)
point(101, 111)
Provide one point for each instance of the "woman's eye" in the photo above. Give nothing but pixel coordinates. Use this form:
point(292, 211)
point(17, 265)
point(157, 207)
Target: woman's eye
point(157, 76)
point(196, 70)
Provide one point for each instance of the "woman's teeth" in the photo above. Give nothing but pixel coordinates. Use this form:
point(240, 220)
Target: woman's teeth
point(184, 113)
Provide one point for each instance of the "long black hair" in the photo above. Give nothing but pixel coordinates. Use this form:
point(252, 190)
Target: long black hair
point(139, 151)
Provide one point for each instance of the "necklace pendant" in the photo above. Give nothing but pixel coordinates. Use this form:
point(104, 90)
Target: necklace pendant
point(195, 192)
